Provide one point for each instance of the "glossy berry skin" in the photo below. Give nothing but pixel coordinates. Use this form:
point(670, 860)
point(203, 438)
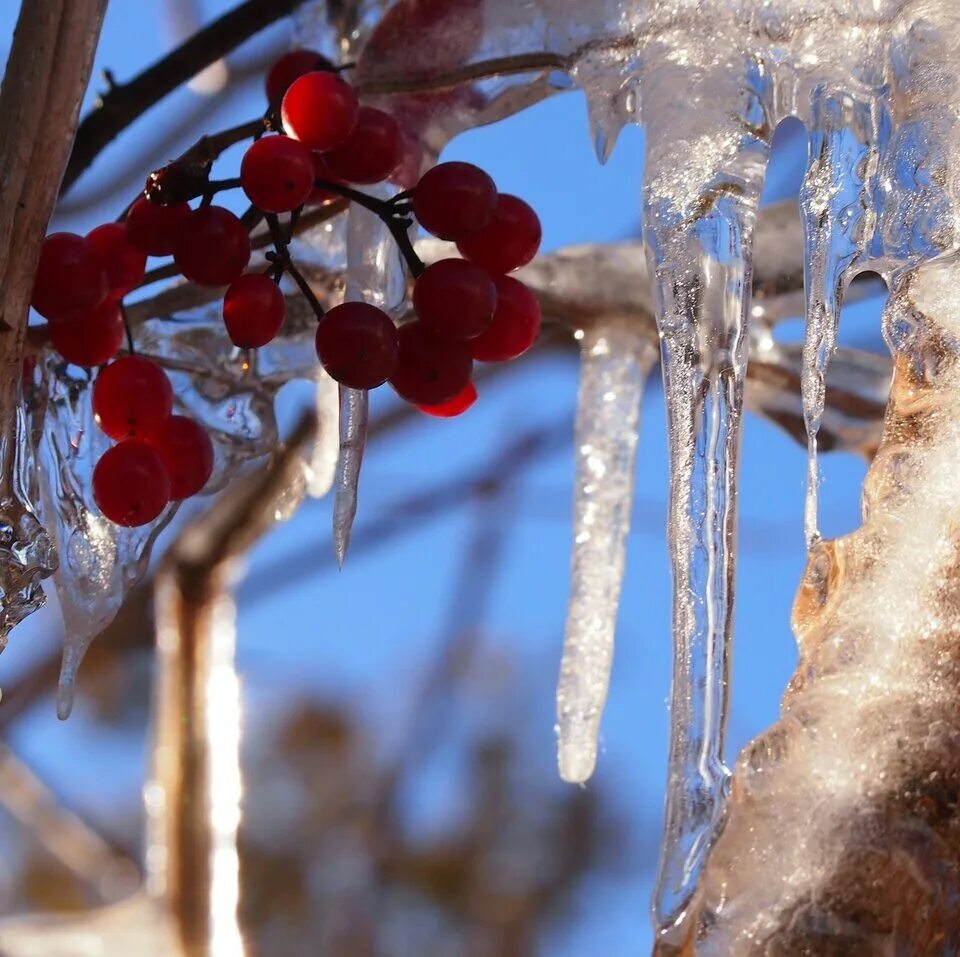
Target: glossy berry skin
point(70, 277)
point(357, 345)
point(213, 247)
point(130, 484)
point(430, 370)
point(154, 229)
point(515, 326)
point(253, 310)
point(455, 299)
point(187, 454)
point(290, 67)
point(510, 240)
point(454, 199)
point(371, 152)
point(124, 262)
point(320, 110)
point(277, 174)
point(132, 399)
point(91, 338)
point(459, 404)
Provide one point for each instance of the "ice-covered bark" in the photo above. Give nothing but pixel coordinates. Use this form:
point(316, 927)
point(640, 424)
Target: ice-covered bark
point(842, 835)
point(615, 357)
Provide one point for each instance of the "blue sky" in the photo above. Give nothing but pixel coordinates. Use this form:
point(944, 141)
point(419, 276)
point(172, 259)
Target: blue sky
point(364, 635)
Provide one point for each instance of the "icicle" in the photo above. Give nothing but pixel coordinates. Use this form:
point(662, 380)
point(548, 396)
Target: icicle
point(702, 184)
point(837, 223)
point(615, 358)
point(375, 275)
point(354, 407)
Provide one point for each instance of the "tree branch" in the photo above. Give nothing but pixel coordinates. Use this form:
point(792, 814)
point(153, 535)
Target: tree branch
point(123, 103)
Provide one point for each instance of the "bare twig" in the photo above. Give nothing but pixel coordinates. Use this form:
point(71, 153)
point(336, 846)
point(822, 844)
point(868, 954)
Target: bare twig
point(124, 102)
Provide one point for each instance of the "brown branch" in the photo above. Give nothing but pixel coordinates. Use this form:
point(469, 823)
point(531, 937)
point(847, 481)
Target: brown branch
point(46, 75)
point(196, 762)
point(124, 103)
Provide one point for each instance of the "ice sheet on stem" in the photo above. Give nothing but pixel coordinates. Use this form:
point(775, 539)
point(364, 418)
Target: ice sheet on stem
point(101, 562)
point(28, 554)
point(837, 218)
point(615, 357)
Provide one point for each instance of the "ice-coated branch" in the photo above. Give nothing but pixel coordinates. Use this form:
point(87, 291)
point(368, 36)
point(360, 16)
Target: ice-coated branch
point(615, 358)
point(44, 82)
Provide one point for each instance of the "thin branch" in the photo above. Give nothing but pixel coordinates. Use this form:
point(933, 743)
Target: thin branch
point(125, 102)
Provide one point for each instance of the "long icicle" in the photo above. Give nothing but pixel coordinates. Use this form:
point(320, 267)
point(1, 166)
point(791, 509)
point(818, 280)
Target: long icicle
point(699, 241)
point(837, 222)
point(615, 359)
point(374, 275)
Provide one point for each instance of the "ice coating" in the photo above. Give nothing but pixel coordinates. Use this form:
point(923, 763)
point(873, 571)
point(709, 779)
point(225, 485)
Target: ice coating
point(28, 554)
point(354, 416)
point(842, 828)
point(615, 357)
point(845, 133)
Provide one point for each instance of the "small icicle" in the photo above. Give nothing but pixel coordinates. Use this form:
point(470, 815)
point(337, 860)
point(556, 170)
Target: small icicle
point(615, 358)
point(354, 406)
point(322, 467)
point(703, 179)
point(374, 275)
point(837, 222)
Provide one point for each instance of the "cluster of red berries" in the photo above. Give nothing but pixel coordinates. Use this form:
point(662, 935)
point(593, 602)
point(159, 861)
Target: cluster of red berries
point(158, 457)
point(466, 308)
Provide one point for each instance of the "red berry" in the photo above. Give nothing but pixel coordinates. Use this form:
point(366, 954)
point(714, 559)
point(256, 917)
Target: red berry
point(430, 371)
point(515, 326)
point(132, 398)
point(454, 199)
point(70, 277)
point(371, 152)
point(124, 262)
point(90, 339)
point(357, 345)
point(277, 174)
point(455, 299)
point(130, 484)
point(320, 109)
point(291, 67)
point(510, 240)
point(213, 247)
point(459, 404)
point(153, 228)
point(187, 453)
point(253, 310)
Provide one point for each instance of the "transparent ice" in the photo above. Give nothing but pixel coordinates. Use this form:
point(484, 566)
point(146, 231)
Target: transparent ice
point(811, 833)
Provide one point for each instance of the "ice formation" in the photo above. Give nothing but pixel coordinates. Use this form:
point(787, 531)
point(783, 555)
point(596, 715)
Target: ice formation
point(616, 356)
point(809, 853)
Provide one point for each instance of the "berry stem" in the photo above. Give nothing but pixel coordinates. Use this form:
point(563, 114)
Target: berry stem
point(127, 328)
point(281, 256)
point(399, 230)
